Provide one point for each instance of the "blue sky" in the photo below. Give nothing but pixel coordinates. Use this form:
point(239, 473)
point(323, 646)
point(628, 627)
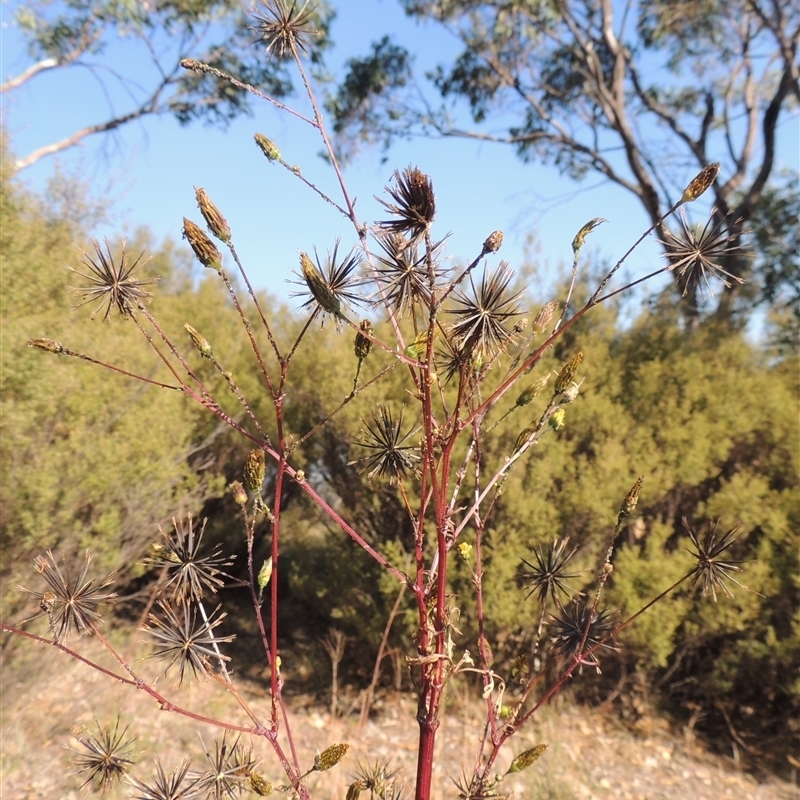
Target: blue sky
point(149, 168)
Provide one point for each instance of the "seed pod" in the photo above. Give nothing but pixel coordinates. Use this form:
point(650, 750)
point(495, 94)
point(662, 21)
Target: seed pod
point(567, 374)
point(264, 574)
point(267, 147)
point(330, 756)
point(363, 344)
point(204, 249)
point(260, 786)
point(526, 758)
point(631, 499)
point(529, 392)
point(254, 471)
point(202, 345)
point(319, 288)
point(580, 236)
point(215, 221)
point(700, 182)
point(543, 318)
point(238, 492)
point(494, 242)
point(46, 344)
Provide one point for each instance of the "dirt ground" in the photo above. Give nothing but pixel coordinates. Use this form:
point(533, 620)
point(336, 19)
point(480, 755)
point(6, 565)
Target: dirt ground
point(589, 756)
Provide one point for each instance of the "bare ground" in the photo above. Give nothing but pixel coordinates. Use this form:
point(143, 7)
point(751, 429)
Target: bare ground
point(589, 756)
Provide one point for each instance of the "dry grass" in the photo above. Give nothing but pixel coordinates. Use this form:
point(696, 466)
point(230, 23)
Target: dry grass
point(44, 694)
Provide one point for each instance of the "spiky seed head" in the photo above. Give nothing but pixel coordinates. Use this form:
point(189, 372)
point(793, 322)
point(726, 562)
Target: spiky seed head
point(700, 183)
point(494, 242)
point(526, 758)
point(331, 756)
point(238, 492)
point(631, 499)
point(580, 236)
point(544, 316)
point(267, 147)
point(283, 28)
point(46, 344)
point(567, 374)
point(556, 421)
point(217, 224)
point(318, 288)
point(363, 344)
point(254, 471)
point(260, 786)
point(415, 203)
point(202, 345)
point(204, 249)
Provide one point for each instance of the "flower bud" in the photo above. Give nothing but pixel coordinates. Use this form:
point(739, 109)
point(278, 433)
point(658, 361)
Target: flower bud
point(556, 421)
point(700, 182)
point(631, 499)
point(254, 471)
point(544, 317)
point(202, 345)
point(580, 236)
point(238, 492)
point(204, 249)
point(567, 374)
point(267, 147)
point(493, 242)
point(526, 758)
point(330, 756)
point(363, 344)
point(46, 344)
point(217, 224)
point(260, 786)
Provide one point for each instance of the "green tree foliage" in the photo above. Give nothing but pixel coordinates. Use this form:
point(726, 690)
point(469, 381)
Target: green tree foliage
point(86, 33)
point(90, 458)
point(631, 94)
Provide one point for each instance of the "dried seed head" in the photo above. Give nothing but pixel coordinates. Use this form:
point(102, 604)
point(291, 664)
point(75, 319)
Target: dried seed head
point(701, 182)
point(217, 224)
point(493, 242)
point(46, 344)
point(260, 786)
point(526, 758)
point(556, 421)
point(238, 492)
point(267, 147)
point(202, 345)
point(631, 499)
point(284, 28)
point(567, 374)
point(415, 203)
point(204, 249)
point(363, 344)
point(580, 236)
point(544, 317)
point(254, 471)
point(330, 756)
